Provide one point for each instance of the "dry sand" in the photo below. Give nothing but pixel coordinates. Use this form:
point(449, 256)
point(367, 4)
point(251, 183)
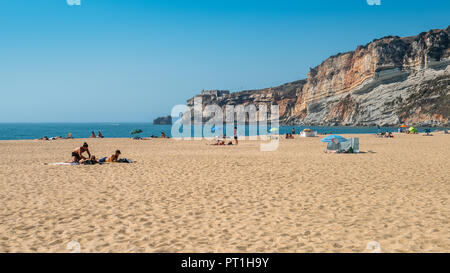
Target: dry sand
point(186, 196)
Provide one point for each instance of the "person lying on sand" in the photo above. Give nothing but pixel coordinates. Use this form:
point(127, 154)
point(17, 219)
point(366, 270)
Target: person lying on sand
point(77, 154)
point(114, 157)
point(222, 143)
point(44, 138)
point(90, 161)
point(219, 143)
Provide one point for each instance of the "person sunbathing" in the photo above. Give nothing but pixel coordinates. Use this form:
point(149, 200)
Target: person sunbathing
point(89, 161)
point(289, 136)
point(114, 157)
point(219, 143)
point(77, 154)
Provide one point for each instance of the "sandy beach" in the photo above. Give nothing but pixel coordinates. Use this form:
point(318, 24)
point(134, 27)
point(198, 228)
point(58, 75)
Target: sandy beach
point(187, 196)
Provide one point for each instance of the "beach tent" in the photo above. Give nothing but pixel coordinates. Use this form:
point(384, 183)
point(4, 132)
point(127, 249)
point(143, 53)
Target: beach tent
point(343, 146)
point(412, 130)
point(328, 139)
point(351, 142)
point(334, 145)
point(308, 133)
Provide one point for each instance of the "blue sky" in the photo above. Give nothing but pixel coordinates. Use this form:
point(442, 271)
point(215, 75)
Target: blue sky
point(133, 60)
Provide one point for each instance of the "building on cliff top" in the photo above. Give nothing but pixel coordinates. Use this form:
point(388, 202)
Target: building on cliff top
point(217, 93)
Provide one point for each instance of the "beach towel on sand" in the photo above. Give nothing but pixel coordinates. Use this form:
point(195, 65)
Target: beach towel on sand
point(62, 163)
point(101, 161)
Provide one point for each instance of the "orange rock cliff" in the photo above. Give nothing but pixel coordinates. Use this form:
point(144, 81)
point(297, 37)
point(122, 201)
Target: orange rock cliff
point(389, 81)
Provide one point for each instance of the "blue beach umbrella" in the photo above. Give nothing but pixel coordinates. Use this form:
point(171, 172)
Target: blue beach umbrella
point(330, 137)
point(214, 129)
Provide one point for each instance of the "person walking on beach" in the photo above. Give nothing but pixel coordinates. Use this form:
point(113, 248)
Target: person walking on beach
point(77, 154)
point(235, 135)
point(293, 131)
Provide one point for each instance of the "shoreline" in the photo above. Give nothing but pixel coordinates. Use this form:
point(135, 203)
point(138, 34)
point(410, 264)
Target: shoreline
point(420, 132)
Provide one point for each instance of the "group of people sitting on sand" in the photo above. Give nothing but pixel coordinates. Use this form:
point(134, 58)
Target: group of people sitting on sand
point(99, 135)
point(69, 136)
point(386, 135)
point(78, 156)
point(222, 142)
point(289, 136)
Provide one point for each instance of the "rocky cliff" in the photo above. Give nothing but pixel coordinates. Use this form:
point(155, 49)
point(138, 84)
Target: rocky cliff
point(167, 120)
point(386, 82)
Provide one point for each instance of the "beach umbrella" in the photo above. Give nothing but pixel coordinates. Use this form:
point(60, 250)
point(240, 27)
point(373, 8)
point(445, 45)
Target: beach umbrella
point(427, 131)
point(329, 138)
point(273, 130)
point(137, 131)
point(412, 130)
point(404, 126)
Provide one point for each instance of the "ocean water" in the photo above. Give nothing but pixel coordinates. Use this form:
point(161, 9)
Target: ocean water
point(13, 131)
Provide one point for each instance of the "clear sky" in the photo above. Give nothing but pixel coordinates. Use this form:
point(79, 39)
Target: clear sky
point(132, 60)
